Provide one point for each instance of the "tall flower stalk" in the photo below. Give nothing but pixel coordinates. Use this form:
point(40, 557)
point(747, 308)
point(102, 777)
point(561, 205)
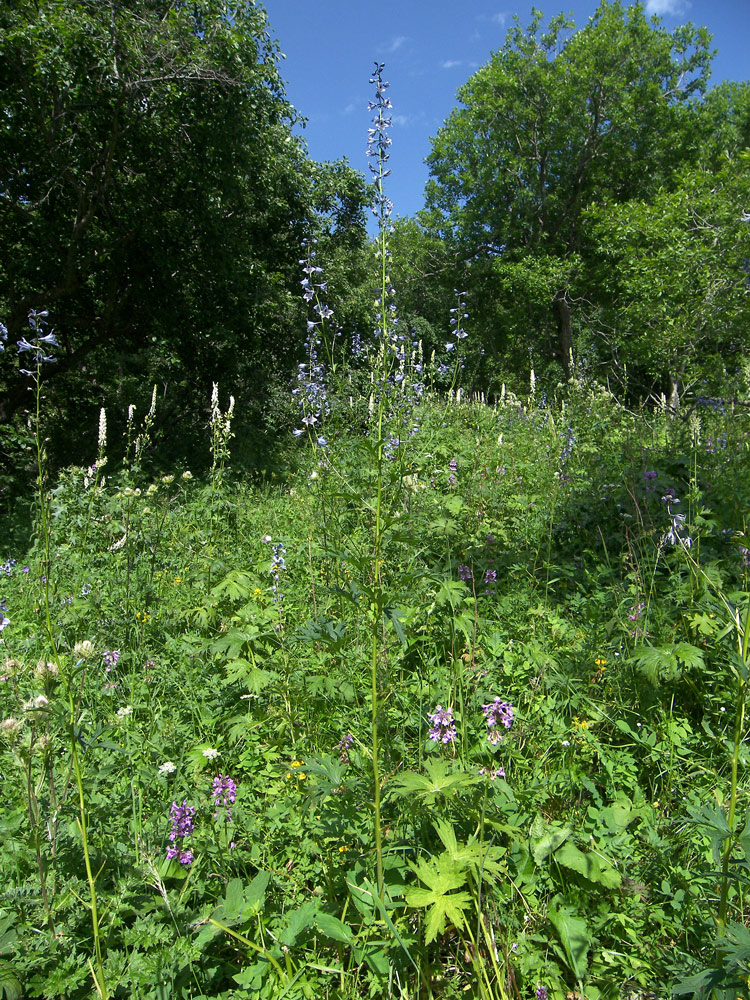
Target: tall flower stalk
point(37, 347)
point(378, 146)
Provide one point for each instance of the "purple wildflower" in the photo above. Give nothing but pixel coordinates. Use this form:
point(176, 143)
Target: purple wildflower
point(182, 820)
point(224, 793)
point(464, 573)
point(186, 858)
point(110, 657)
point(497, 714)
point(490, 576)
point(443, 725)
point(492, 772)
point(541, 993)
point(345, 745)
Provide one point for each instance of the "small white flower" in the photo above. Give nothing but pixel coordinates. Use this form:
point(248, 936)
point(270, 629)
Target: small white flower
point(187, 475)
point(10, 726)
point(266, 540)
point(84, 649)
point(123, 713)
point(211, 754)
point(566, 743)
point(41, 701)
point(167, 767)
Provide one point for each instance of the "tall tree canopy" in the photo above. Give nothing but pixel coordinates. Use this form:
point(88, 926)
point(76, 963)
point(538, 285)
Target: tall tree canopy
point(553, 125)
point(152, 195)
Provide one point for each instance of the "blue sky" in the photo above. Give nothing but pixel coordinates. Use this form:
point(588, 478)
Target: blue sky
point(430, 49)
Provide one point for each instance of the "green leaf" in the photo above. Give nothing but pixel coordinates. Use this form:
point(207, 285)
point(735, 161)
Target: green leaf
point(574, 936)
point(438, 781)
point(11, 987)
point(442, 875)
point(546, 838)
point(592, 866)
point(297, 921)
point(333, 928)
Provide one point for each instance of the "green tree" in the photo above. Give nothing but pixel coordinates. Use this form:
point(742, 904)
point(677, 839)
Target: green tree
point(153, 200)
point(553, 122)
point(675, 269)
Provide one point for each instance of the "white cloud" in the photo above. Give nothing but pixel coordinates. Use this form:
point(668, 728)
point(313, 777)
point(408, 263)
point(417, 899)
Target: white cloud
point(396, 44)
point(662, 7)
point(450, 63)
point(500, 18)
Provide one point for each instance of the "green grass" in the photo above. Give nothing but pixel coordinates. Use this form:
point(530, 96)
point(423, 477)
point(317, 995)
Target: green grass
point(611, 859)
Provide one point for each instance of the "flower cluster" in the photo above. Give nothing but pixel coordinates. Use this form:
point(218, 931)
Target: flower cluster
point(278, 564)
point(6, 569)
point(3, 620)
point(182, 827)
point(458, 315)
point(311, 390)
point(345, 745)
point(677, 532)
point(498, 714)
point(110, 658)
point(650, 477)
point(224, 793)
point(443, 725)
point(221, 429)
point(39, 342)
point(378, 144)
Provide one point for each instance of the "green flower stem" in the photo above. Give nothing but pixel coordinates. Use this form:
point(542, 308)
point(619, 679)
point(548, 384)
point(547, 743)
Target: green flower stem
point(98, 972)
point(743, 643)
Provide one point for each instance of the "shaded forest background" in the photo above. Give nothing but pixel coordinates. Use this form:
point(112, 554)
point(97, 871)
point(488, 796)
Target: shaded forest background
point(590, 193)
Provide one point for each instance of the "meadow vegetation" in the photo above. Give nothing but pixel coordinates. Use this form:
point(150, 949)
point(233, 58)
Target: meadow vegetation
point(442, 694)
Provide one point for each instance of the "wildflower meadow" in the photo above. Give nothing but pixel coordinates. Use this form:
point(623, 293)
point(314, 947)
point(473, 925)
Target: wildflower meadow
point(447, 700)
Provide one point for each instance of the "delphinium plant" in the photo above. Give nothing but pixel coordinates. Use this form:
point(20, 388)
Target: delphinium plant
point(57, 665)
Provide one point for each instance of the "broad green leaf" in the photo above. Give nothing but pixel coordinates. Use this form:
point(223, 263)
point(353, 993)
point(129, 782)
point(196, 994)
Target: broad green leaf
point(574, 937)
point(333, 928)
point(591, 866)
point(547, 838)
point(297, 921)
point(11, 987)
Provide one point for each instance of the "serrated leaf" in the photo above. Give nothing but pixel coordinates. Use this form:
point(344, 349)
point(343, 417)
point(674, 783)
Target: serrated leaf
point(446, 908)
point(442, 875)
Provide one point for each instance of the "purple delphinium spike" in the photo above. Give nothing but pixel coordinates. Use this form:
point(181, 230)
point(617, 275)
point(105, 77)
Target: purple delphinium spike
point(345, 745)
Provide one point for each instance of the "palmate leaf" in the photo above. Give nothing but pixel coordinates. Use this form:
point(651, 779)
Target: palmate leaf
point(483, 860)
point(442, 875)
point(438, 781)
point(660, 663)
